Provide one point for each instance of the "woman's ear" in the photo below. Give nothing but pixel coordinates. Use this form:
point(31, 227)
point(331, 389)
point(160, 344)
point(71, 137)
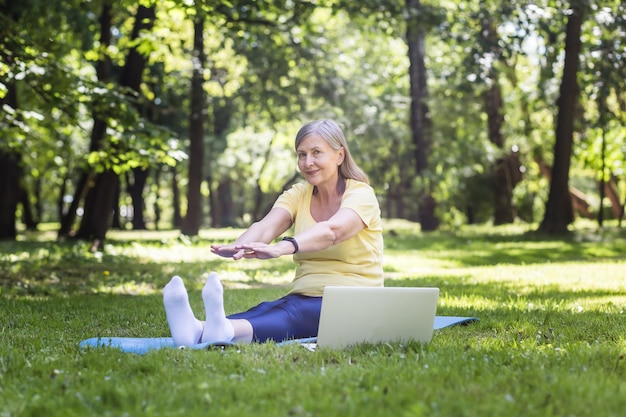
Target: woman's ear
point(342, 155)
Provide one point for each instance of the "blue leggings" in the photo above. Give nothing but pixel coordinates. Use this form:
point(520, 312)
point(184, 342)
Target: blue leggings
point(293, 316)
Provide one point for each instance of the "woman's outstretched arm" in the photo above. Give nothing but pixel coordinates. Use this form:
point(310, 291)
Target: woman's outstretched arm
point(275, 223)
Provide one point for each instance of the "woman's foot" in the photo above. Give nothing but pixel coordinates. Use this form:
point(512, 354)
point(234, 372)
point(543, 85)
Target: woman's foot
point(185, 328)
point(217, 327)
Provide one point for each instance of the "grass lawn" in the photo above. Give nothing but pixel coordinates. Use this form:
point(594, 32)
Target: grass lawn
point(550, 342)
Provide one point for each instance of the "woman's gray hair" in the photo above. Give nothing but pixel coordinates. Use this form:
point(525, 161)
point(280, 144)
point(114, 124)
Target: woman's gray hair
point(332, 133)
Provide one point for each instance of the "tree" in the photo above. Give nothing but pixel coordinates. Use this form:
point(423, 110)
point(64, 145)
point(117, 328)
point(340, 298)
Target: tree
point(100, 184)
point(10, 156)
point(87, 177)
point(193, 219)
point(417, 19)
point(559, 212)
point(220, 198)
point(264, 64)
point(10, 172)
point(603, 84)
point(487, 76)
point(9, 189)
point(420, 121)
point(33, 83)
point(103, 74)
point(506, 174)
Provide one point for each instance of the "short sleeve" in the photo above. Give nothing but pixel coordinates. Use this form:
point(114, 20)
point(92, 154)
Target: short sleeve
point(361, 198)
point(290, 199)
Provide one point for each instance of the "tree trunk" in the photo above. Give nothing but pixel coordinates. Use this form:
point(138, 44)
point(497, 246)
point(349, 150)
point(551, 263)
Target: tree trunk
point(10, 170)
point(101, 198)
point(132, 74)
point(214, 200)
point(135, 189)
point(611, 190)
point(10, 173)
point(225, 206)
point(131, 77)
point(69, 216)
point(87, 177)
point(559, 213)
point(177, 218)
point(580, 205)
point(502, 181)
point(27, 209)
point(37, 188)
point(88, 184)
point(222, 113)
point(157, 205)
point(193, 218)
point(506, 176)
point(421, 131)
point(116, 216)
point(61, 198)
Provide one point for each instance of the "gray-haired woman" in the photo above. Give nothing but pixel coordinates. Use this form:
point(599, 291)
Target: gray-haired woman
point(337, 241)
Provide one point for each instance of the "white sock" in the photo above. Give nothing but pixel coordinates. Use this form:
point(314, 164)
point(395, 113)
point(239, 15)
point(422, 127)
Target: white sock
point(185, 328)
point(217, 327)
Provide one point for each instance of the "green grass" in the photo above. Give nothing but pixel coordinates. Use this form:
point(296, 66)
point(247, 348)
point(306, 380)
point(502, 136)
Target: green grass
point(551, 340)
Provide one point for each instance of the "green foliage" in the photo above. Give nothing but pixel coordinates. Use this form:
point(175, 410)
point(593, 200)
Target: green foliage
point(144, 146)
point(550, 340)
point(57, 96)
point(275, 64)
point(604, 83)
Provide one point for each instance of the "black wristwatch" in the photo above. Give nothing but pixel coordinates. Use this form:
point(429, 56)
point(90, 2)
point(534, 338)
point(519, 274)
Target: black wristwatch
point(293, 242)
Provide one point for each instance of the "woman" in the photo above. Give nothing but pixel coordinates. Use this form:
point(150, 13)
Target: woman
point(337, 241)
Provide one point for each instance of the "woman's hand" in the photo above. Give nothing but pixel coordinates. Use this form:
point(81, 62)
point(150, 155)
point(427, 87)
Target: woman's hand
point(276, 222)
point(258, 250)
point(227, 251)
point(261, 250)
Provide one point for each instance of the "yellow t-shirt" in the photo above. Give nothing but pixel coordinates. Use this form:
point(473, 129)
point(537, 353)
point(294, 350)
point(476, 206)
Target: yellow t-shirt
point(357, 261)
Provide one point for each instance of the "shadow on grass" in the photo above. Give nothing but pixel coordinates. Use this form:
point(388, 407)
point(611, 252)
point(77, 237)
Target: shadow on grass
point(36, 268)
point(512, 314)
point(508, 325)
point(79, 316)
point(143, 265)
point(470, 249)
point(510, 291)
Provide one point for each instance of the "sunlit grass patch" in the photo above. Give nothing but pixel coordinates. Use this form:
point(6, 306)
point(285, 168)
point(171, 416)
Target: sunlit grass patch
point(550, 340)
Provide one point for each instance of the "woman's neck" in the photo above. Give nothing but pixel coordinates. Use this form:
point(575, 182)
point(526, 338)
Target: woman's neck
point(331, 191)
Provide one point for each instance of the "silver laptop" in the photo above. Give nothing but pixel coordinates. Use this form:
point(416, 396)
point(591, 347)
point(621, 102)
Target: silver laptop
point(352, 315)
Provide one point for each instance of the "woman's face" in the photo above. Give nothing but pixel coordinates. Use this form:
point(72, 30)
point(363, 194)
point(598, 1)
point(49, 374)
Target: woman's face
point(318, 161)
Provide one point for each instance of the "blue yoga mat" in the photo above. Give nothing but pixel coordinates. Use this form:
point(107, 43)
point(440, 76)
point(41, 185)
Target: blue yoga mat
point(141, 345)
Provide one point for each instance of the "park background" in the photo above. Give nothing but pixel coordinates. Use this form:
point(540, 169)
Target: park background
point(135, 133)
point(182, 115)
